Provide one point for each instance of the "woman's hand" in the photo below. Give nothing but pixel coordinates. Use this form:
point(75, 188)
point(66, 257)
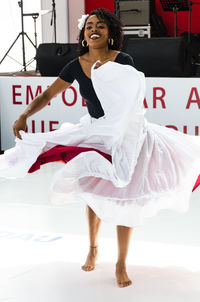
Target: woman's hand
point(18, 125)
point(38, 103)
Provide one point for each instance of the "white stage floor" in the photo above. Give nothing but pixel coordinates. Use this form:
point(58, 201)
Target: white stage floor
point(43, 248)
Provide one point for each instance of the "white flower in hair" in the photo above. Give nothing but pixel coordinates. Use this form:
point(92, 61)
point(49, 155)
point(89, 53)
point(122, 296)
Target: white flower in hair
point(81, 21)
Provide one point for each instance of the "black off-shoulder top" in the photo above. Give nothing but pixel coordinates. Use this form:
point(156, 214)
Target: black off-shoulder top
point(73, 71)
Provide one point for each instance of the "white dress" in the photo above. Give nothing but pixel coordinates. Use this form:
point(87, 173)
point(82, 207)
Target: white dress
point(152, 168)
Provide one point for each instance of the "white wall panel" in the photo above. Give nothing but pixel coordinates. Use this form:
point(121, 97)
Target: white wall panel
point(76, 10)
point(61, 22)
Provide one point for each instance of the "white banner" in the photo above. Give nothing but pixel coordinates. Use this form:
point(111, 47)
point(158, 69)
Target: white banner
point(172, 102)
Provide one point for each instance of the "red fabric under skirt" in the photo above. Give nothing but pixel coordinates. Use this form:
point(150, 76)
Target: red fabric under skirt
point(197, 183)
point(64, 154)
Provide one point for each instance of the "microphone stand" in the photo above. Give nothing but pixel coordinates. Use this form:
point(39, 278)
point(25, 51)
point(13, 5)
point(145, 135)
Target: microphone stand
point(190, 3)
point(117, 9)
point(53, 18)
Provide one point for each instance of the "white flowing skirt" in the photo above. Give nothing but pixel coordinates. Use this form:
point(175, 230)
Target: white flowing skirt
point(152, 167)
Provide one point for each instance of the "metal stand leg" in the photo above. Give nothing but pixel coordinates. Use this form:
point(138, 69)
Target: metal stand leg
point(175, 21)
point(189, 25)
point(10, 47)
point(35, 35)
point(22, 33)
point(53, 18)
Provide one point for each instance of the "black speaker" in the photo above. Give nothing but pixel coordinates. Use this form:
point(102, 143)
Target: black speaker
point(159, 57)
point(52, 57)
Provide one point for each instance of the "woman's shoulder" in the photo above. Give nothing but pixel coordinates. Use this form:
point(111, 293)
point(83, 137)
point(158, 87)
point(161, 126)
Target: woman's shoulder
point(73, 61)
point(124, 58)
point(124, 55)
point(71, 64)
point(68, 72)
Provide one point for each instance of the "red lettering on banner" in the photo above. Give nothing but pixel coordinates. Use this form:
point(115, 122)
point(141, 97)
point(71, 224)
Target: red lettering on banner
point(30, 93)
point(75, 97)
point(42, 129)
point(51, 123)
point(196, 129)
point(196, 100)
point(172, 126)
point(145, 103)
point(83, 102)
point(160, 98)
point(14, 94)
point(185, 129)
point(42, 126)
point(33, 126)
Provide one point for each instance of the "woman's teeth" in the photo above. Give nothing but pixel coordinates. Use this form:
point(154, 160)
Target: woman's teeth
point(94, 37)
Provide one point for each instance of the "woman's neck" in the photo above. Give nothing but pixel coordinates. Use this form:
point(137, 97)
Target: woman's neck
point(98, 54)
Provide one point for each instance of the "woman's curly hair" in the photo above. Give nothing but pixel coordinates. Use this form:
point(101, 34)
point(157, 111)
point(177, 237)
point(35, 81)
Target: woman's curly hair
point(114, 28)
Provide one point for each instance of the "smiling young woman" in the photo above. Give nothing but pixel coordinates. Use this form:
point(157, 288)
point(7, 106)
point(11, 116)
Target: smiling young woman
point(96, 43)
point(121, 166)
point(100, 41)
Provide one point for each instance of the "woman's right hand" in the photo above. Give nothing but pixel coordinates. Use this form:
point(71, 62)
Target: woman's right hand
point(38, 103)
point(18, 125)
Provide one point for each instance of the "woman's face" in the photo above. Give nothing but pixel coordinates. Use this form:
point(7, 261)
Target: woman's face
point(96, 32)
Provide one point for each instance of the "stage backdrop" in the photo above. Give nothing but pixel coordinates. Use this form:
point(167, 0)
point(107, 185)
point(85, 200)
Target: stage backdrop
point(182, 18)
point(91, 5)
point(172, 102)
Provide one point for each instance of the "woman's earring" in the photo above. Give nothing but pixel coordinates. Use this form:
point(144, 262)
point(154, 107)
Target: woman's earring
point(111, 41)
point(84, 43)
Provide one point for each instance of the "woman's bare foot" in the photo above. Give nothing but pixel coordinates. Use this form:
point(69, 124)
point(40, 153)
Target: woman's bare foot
point(121, 274)
point(91, 259)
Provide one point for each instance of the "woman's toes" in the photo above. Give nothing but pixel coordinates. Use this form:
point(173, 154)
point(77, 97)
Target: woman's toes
point(124, 284)
point(88, 267)
point(122, 278)
point(90, 261)
point(120, 284)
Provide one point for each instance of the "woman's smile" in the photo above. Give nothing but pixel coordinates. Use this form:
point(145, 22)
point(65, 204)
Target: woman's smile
point(95, 36)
